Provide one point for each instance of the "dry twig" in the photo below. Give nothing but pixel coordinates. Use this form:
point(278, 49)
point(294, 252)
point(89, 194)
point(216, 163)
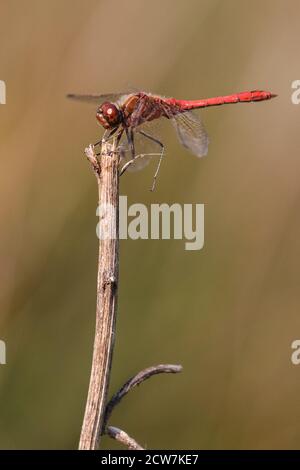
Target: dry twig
point(106, 170)
point(96, 417)
point(137, 380)
point(123, 437)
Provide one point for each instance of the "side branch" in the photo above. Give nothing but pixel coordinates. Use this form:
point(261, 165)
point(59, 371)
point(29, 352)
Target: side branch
point(123, 437)
point(137, 380)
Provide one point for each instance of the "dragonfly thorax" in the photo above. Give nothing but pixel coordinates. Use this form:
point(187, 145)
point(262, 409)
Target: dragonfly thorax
point(109, 115)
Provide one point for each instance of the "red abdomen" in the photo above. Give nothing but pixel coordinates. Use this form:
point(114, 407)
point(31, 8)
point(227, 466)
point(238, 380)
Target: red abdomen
point(244, 97)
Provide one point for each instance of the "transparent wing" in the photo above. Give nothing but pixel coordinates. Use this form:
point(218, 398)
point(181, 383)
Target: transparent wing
point(191, 132)
point(94, 98)
point(145, 150)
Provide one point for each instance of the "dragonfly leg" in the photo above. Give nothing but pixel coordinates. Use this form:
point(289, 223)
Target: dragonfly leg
point(158, 142)
point(100, 141)
point(105, 139)
point(109, 136)
point(138, 157)
point(130, 138)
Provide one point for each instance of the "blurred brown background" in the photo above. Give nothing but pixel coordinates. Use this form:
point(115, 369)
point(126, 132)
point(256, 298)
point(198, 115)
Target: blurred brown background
point(229, 312)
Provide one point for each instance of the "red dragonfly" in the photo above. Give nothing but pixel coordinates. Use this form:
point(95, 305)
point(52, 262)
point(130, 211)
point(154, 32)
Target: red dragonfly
point(121, 113)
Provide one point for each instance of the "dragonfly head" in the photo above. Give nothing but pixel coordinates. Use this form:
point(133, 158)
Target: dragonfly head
point(109, 115)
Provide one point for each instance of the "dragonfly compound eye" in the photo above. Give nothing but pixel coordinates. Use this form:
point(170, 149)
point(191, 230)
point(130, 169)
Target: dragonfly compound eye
point(108, 115)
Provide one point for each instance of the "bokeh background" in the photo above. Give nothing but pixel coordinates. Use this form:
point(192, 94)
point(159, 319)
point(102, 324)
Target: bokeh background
point(227, 313)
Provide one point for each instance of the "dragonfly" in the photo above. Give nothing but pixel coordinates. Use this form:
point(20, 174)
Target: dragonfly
point(126, 113)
